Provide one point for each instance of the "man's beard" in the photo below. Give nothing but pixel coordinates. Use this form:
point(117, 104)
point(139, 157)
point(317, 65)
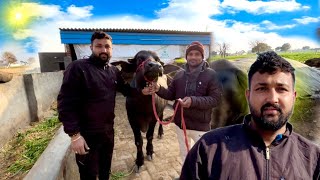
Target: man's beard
point(270, 125)
point(103, 57)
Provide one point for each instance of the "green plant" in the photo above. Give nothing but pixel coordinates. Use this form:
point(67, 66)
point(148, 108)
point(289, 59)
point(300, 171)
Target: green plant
point(29, 145)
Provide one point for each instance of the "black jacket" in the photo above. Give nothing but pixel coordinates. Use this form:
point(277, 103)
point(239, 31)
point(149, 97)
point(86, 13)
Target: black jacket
point(86, 100)
point(207, 95)
point(238, 152)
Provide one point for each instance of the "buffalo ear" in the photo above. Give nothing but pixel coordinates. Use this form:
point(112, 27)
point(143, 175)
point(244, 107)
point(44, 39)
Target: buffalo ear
point(171, 68)
point(117, 63)
point(125, 66)
point(132, 60)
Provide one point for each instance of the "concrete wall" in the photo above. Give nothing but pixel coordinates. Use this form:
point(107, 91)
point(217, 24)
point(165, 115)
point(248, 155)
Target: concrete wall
point(46, 88)
point(25, 99)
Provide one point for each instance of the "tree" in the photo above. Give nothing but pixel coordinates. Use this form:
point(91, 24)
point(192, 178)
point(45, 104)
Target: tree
point(260, 47)
point(306, 47)
point(9, 57)
point(223, 48)
point(278, 48)
point(285, 47)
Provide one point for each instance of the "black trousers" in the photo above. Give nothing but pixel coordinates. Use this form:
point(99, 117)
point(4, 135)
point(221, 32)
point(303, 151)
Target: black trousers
point(97, 162)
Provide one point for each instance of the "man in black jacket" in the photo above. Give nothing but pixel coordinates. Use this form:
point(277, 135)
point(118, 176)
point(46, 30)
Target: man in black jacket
point(86, 105)
point(264, 146)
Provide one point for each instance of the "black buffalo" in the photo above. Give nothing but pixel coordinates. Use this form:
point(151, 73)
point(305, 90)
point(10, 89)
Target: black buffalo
point(144, 68)
point(233, 105)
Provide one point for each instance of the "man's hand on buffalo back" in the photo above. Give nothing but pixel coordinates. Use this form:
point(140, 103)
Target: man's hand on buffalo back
point(79, 145)
point(185, 102)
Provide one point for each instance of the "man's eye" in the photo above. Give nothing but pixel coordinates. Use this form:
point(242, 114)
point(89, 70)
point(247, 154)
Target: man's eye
point(282, 89)
point(261, 89)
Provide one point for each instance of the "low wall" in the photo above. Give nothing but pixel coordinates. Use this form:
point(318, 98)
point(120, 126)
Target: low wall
point(25, 99)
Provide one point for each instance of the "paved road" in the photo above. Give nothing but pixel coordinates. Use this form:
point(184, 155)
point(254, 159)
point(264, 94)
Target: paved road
point(166, 163)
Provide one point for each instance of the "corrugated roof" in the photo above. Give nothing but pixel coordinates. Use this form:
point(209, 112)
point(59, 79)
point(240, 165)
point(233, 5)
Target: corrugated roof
point(163, 31)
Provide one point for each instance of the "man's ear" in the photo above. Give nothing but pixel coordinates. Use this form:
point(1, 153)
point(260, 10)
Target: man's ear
point(247, 95)
point(91, 47)
point(294, 96)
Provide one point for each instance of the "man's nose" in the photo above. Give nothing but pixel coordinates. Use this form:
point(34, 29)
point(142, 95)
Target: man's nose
point(273, 96)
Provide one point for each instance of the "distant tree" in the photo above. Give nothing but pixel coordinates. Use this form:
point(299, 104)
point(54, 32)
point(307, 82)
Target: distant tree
point(260, 47)
point(223, 48)
point(278, 48)
point(305, 47)
point(9, 57)
point(285, 47)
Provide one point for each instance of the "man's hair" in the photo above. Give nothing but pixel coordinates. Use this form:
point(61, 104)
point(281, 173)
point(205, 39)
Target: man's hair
point(270, 62)
point(100, 35)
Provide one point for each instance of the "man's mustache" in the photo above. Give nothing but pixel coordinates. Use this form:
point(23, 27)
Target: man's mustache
point(275, 106)
point(104, 54)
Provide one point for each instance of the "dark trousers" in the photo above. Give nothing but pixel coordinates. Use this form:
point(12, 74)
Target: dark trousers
point(98, 160)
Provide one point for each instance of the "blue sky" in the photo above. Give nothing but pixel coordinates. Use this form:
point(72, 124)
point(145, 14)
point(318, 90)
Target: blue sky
point(235, 22)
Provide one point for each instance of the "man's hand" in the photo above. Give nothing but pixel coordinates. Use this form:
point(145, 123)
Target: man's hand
point(79, 145)
point(151, 88)
point(155, 86)
point(185, 102)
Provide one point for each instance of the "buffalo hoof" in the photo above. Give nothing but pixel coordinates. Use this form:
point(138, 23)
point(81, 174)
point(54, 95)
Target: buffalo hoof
point(137, 169)
point(149, 157)
point(160, 136)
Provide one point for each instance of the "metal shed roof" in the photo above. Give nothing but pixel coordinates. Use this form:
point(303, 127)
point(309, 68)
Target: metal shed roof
point(136, 36)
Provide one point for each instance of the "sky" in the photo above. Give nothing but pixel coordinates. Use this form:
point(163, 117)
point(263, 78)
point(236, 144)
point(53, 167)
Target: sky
point(31, 26)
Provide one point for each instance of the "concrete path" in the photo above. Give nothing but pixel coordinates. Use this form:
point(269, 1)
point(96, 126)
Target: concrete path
point(166, 163)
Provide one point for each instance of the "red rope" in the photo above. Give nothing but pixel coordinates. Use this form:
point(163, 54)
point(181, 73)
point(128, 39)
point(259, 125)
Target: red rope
point(168, 122)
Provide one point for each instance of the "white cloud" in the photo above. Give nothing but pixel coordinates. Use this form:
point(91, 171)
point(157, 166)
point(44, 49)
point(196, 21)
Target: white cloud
point(244, 27)
point(179, 15)
point(263, 7)
point(22, 34)
point(80, 12)
point(307, 20)
point(190, 9)
point(271, 26)
point(40, 10)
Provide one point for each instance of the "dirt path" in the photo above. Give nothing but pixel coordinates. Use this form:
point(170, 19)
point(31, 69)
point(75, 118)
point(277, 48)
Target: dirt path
point(166, 163)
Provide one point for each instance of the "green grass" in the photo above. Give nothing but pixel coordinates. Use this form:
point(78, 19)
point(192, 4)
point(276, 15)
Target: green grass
point(27, 146)
point(120, 175)
point(298, 56)
point(232, 57)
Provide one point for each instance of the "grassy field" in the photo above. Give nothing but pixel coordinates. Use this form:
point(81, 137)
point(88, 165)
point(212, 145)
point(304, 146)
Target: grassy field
point(298, 56)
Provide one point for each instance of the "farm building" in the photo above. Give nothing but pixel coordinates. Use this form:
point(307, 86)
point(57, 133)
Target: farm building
point(168, 44)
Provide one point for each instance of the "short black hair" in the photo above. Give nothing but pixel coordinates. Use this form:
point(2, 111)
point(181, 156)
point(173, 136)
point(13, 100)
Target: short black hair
point(270, 62)
point(100, 35)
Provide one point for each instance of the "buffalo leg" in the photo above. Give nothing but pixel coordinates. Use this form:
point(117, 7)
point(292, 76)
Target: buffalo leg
point(150, 132)
point(160, 130)
point(138, 142)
